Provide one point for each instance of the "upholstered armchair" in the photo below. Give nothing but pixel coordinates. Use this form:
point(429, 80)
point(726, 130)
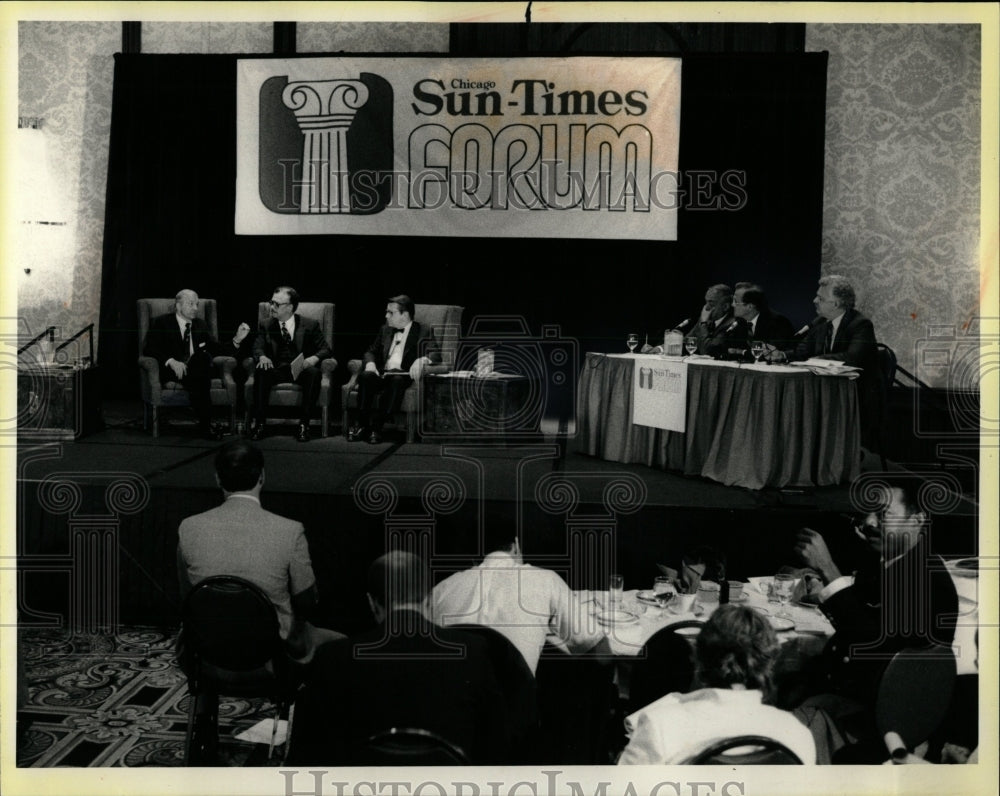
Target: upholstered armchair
point(171, 394)
point(446, 321)
point(288, 394)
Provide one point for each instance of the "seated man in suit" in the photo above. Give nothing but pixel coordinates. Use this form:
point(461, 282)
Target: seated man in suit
point(757, 320)
point(393, 361)
point(281, 340)
point(407, 672)
point(717, 327)
point(183, 346)
point(845, 335)
point(240, 538)
point(899, 596)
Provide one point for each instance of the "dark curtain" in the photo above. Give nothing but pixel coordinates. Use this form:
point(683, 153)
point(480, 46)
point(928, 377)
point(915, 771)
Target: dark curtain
point(171, 198)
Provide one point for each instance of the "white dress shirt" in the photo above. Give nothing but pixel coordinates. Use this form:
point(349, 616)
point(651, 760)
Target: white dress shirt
point(395, 360)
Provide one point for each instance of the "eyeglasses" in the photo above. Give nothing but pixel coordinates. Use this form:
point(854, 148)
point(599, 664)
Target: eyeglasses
point(277, 304)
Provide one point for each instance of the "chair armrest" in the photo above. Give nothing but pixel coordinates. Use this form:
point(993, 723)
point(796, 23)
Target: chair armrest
point(227, 366)
point(328, 366)
point(149, 380)
point(354, 368)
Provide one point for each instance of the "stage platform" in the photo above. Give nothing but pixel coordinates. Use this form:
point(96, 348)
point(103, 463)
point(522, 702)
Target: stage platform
point(98, 517)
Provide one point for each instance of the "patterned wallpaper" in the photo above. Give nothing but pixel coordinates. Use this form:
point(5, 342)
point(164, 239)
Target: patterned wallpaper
point(901, 213)
point(901, 204)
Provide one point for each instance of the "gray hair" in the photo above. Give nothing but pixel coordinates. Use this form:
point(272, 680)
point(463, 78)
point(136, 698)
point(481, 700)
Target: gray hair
point(841, 289)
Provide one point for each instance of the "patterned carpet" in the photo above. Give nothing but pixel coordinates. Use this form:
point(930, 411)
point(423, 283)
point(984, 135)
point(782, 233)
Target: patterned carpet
point(117, 700)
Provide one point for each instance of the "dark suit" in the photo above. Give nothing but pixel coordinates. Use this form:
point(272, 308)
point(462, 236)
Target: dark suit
point(910, 603)
point(854, 344)
point(309, 341)
point(380, 395)
point(164, 341)
point(717, 337)
point(398, 675)
point(773, 328)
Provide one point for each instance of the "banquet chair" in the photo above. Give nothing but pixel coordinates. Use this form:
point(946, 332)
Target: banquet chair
point(517, 684)
point(762, 751)
point(288, 394)
point(155, 394)
point(887, 366)
point(411, 746)
point(914, 694)
point(665, 664)
point(230, 646)
point(446, 322)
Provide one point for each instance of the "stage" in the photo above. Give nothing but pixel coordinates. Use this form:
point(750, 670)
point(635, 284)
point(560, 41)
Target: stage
point(98, 517)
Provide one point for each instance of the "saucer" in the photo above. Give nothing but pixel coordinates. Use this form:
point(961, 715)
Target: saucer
point(616, 618)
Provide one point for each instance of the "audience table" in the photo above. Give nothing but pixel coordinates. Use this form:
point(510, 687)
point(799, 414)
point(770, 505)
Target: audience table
point(749, 425)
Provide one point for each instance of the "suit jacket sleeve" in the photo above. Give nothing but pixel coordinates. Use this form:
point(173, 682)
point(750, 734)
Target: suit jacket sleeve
point(376, 351)
point(313, 342)
point(262, 343)
point(861, 345)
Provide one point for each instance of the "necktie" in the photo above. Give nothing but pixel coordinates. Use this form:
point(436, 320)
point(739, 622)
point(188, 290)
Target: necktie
point(285, 336)
point(828, 343)
point(187, 341)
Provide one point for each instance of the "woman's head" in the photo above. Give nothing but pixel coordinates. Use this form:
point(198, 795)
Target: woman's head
point(736, 646)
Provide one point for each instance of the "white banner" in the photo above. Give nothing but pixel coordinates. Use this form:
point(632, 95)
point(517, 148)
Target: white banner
point(484, 147)
point(659, 393)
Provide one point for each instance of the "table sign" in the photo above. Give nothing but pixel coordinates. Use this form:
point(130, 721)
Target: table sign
point(659, 393)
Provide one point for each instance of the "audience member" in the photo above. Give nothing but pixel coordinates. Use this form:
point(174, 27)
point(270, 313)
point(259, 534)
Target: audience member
point(284, 341)
point(183, 345)
point(407, 672)
point(394, 360)
point(900, 596)
point(733, 658)
point(241, 538)
point(529, 605)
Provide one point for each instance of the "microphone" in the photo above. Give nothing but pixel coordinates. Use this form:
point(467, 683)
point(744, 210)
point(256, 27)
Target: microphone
point(731, 326)
point(682, 325)
point(808, 327)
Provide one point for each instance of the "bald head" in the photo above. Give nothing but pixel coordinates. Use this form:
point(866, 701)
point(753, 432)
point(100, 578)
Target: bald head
point(186, 304)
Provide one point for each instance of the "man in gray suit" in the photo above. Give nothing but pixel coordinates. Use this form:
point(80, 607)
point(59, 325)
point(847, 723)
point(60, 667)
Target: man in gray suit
point(240, 538)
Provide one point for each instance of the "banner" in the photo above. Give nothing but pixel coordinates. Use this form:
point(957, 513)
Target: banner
point(581, 147)
point(659, 393)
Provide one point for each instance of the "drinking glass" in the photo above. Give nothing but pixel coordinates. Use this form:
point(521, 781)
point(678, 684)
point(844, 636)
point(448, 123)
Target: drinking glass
point(663, 590)
point(783, 586)
point(616, 586)
point(632, 341)
point(691, 344)
point(757, 349)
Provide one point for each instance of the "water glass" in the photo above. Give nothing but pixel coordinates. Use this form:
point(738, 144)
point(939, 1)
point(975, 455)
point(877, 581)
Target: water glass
point(616, 587)
point(783, 586)
point(663, 589)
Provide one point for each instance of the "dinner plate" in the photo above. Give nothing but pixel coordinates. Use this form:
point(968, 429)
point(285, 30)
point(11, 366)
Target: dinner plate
point(965, 568)
point(617, 618)
point(688, 631)
point(779, 623)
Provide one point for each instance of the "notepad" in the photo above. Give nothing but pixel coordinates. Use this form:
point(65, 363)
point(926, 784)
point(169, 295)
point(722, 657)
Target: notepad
point(297, 365)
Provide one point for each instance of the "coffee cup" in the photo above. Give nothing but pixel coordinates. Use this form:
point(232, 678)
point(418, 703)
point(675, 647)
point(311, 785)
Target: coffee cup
point(708, 593)
point(735, 590)
point(682, 603)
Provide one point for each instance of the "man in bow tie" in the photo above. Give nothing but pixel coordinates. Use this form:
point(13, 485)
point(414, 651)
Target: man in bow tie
point(395, 359)
point(182, 344)
point(280, 341)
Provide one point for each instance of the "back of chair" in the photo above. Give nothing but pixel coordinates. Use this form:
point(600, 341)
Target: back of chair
point(762, 751)
point(887, 364)
point(914, 693)
point(665, 664)
point(230, 623)
point(446, 322)
point(410, 746)
point(149, 308)
point(321, 311)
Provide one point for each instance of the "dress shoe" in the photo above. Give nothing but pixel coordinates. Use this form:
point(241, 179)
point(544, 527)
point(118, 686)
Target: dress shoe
point(375, 438)
point(256, 431)
point(303, 433)
point(355, 434)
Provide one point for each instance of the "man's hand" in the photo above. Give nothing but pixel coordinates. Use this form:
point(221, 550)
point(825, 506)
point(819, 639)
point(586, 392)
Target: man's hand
point(812, 549)
point(417, 368)
point(774, 355)
point(179, 368)
point(706, 314)
point(241, 334)
point(370, 367)
point(264, 363)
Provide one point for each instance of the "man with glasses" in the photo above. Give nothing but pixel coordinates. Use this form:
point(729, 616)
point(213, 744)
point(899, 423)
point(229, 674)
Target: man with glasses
point(395, 359)
point(757, 320)
point(898, 596)
point(281, 340)
point(842, 333)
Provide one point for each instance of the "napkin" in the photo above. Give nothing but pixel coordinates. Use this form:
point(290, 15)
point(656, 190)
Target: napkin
point(688, 579)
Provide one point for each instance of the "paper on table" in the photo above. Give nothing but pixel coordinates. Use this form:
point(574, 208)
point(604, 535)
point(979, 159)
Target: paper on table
point(261, 732)
point(297, 366)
